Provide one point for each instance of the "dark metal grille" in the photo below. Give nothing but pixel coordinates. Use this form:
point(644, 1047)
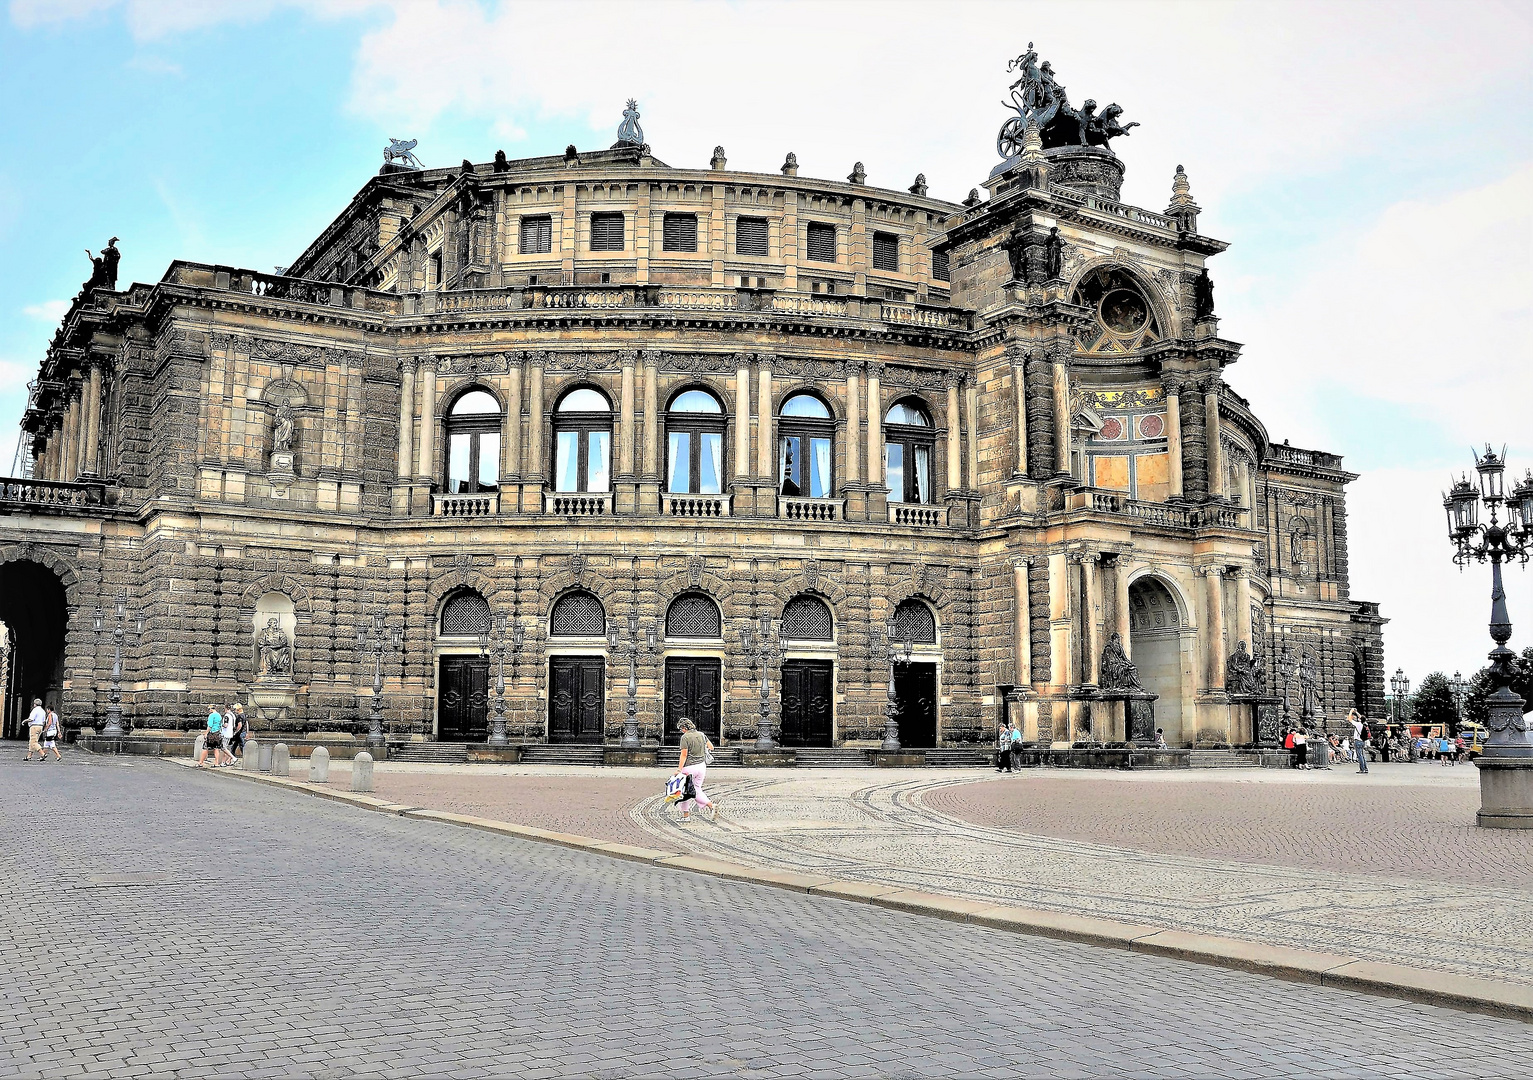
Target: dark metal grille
point(822, 242)
point(915, 623)
point(940, 266)
point(693, 616)
point(750, 236)
point(537, 235)
point(465, 615)
point(607, 232)
point(886, 252)
point(578, 614)
point(680, 232)
point(806, 618)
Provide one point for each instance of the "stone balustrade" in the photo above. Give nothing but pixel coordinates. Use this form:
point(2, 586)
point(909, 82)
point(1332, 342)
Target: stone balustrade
point(811, 509)
point(28, 493)
point(696, 506)
point(483, 504)
point(917, 515)
point(577, 504)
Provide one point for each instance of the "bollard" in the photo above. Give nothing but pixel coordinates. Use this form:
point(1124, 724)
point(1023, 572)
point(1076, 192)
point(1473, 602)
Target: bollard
point(263, 761)
point(279, 760)
point(319, 766)
point(250, 758)
point(362, 772)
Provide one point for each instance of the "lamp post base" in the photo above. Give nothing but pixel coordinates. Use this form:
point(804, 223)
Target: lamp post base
point(112, 729)
point(1506, 791)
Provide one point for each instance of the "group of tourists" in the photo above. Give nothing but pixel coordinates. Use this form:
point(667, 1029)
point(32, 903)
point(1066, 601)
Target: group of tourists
point(224, 737)
point(43, 731)
point(1339, 749)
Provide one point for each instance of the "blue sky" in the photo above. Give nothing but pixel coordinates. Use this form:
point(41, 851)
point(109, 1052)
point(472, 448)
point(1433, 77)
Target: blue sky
point(1371, 163)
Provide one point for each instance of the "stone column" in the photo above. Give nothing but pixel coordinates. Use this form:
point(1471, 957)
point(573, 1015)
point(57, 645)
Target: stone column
point(1215, 447)
point(1242, 577)
point(1243, 481)
point(971, 432)
point(742, 416)
point(535, 425)
point(1091, 637)
point(625, 431)
point(853, 425)
point(1061, 417)
point(1019, 391)
point(1023, 676)
point(92, 419)
point(1121, 622)
point(404, 456)
point(765, 450)
point(511, 436)
point(71, 457)
point(425, 462)
point(651, 415)
point(1174, 439)
point(1213, 640)
point(876, 429)
point(954, 438)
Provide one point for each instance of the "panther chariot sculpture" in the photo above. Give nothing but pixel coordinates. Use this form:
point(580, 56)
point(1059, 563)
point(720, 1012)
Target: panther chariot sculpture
point(400, 152)
point(1040, 101)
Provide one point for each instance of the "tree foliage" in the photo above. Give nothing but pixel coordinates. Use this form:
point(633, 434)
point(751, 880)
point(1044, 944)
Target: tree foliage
point(1479, 688)
point(1432, 703)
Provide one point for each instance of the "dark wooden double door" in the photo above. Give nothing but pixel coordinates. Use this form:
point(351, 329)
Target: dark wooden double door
point(463, 699)
point(576, 700)
point(807, 703)
point(915, 695)
point(693, 687)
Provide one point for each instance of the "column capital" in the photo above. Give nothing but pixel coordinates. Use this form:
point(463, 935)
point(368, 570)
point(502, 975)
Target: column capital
point(875, 369)
point(408, 365)
point(766, 360)
point(537, 357)
point(743, 361)
point(1211, 384)
point(1019, 562)
point(428, 363)
point(652, 357)
point(627, 357)
point(1212, 570)
point(1174, 385)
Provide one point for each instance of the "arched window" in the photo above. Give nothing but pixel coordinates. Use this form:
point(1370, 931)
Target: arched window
point(807, 618)
point(473, 444)
point(915, 623)
point(908, 442)
point(466, 614)
point(693, 615)
point(694, 427)
point(805, 433)
point(577, 614)
point(583, 441)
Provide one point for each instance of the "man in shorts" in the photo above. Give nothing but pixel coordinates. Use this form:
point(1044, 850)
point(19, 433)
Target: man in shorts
point(214, 740)
point(35, 724)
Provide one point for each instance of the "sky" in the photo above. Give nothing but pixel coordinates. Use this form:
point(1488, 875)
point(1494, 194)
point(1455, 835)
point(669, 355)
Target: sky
point(1370, 163)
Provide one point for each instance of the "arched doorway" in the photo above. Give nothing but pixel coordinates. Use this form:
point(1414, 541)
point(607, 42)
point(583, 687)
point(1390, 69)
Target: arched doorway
point(1156, 630)
point(33, 608)
point(463, 683)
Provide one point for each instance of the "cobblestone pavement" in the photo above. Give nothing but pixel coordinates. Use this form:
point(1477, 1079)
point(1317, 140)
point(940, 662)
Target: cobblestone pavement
point(886, 828)
point(200, 926)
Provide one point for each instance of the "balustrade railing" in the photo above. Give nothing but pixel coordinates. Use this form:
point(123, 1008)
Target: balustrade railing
point(811, 509)
point(23, 491)
point(576, 504)
point(919, 515)
point(797, 304)
point(1174, 517)
point(913, 315)
point(697, 299)
point(696, 506)
point(588, 298)
point(484, 504)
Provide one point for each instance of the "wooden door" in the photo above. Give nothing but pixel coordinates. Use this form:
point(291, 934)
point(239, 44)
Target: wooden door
point(463, 699)
point(915, 694)
point(576, 701)
point(692, 685)
point(806, 703)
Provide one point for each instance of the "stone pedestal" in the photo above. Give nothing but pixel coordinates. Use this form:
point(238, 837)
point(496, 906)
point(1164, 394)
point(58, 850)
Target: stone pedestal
point(1256, 720)
point(279, 474)
point(272, 699)
point(1506, 792)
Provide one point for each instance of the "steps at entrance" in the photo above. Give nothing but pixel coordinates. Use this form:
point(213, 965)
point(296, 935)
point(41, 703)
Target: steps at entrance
point(1224, 759)
point(831, 757)
point(668, 756)
point(441, 753)
point(959, 757)
point(563, 754)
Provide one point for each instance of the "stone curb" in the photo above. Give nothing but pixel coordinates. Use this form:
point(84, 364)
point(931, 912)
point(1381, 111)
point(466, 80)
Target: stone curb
point(1278, 961)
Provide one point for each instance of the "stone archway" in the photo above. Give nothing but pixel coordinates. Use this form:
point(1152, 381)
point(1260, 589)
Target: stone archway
point(1156, 631)
point(34, 609)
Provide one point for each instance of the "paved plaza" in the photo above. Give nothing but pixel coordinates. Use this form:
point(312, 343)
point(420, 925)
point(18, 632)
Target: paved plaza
point(197, 925)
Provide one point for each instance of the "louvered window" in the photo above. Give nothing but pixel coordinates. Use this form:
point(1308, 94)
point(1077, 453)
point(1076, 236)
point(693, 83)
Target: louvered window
point(914, 622)
point(537, 235)
point(822, 242)
point(693, 616)
point(806, 618)
point(750, 236)
point(607, 232)
point(465, 615)
point(577, 614)
point(680, 232)
point(940, 266)
point(886, 252)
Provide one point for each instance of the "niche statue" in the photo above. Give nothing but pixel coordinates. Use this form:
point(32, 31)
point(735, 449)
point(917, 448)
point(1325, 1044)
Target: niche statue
point(274, 651)
point(1118, 671)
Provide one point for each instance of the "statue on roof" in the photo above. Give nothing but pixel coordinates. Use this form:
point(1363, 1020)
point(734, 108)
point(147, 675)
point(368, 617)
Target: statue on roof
point(629, 133)
point(1039, 99)
point(103, 274)
point(398, 152)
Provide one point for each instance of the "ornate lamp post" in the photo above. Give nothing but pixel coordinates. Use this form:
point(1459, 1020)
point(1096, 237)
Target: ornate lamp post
point(1459, 690)
point(376, 639)
point(492, 640)
point(113, 727)
point(896, 652)
point(1506, 767)
point(763, 647)
point(1400, 686)
point(630, 647)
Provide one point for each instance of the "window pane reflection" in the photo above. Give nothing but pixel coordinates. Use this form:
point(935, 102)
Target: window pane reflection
point(710, 465)
point(600, 460)
point(681, 460)
point(894, 471)
point(567, 465)
point(489, 461)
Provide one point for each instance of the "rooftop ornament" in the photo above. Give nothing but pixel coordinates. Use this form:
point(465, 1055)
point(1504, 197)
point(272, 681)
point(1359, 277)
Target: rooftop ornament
point(629, 133)
point(399, 153)
point(1040, 102)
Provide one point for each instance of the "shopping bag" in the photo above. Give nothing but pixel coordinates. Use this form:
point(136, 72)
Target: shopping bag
point(675, 787)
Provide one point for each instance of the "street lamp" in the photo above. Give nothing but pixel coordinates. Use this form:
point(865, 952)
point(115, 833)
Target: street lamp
point(630, 646)
point(496, 643)
point(896, 652)
point(376, 639)
point(1458, 689)
point(762, 647)
point(1401, 686)
point(1506, 766)
point(113, 727)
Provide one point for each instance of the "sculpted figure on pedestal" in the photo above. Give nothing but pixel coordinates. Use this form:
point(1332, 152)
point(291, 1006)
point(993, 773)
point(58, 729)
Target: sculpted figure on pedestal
point(1118, 671)
point(1243, 673)
point(276, 654)
point(282, 430)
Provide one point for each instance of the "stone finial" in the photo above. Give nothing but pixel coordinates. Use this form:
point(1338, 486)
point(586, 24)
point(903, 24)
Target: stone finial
point(973, 199)
point(629, 133)
point(719, 160)
point(790, 164)
point(571, 155)
point(858, 175)
point(1183, 209)
point(919, 187)
point(1181, 190)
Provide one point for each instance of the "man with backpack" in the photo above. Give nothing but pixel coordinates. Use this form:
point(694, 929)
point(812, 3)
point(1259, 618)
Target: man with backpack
point(214, 740)
point(1360, 735)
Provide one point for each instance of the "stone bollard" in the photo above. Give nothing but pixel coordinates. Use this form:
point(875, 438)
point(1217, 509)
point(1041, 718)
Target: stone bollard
point(362, 772)
point(319, 766)
point(279, 760)
point(263, 760)
point(251, 757)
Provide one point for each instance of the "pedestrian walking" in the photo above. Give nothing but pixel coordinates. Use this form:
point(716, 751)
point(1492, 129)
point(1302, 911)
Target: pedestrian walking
point(37, 719)
point(214, 740)
point(695, 752)
point(1014, 746)
point(238, 729)
point(1445, 750)
point(51, 733)
point(1002, 748)
point(1359, 739)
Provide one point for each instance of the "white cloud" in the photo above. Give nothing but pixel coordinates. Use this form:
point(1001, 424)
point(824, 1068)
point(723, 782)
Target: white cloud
point(48, 310)
point(154, 65)
point(14, 375)
point(151, 20)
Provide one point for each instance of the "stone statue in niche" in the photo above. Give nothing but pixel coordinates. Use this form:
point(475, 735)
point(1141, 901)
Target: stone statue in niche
point(1055, 257)
point(274, 651)
point(282, 430)
point(1243, 673)
point(1118, 671)
point(1203, 296)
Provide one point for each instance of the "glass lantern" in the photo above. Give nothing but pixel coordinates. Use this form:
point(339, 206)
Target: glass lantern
point(1463, 506)
point(1522, 503)
point(1492, 470)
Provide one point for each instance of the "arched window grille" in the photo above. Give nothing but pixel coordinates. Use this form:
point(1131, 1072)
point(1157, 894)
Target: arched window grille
point(577, 614)
point(908, 446)
point(805, 445)
point(915, 623)
point(693, 615)
point(473, 444)
point(583, 441)
point(694, 426)
point(466, 614)
point(807, 618)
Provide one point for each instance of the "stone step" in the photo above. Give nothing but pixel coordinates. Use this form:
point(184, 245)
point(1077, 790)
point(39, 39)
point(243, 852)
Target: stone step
point(668, 756)
point(831, 757)
point(563, 754)
point(959, 757)
point(439, 752)
point(1224, 759)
